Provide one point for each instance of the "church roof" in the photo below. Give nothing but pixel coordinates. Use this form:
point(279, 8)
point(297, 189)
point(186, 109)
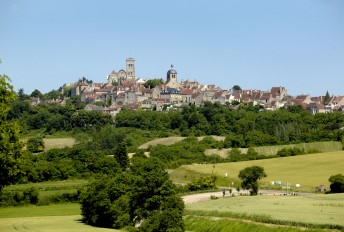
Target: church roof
point(171, 71)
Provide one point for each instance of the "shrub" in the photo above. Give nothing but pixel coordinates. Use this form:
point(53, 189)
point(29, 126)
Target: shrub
point(290, 152)
point(19, 198)
point(337, 183)
point(35, 145)
point(202, 183)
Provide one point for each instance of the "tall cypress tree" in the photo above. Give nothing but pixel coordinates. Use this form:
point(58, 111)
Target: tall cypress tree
point(121, 155)
point(327, 97)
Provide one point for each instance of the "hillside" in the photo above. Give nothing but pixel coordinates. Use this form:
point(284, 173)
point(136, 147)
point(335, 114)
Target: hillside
point(307, 170)
point(173, 140)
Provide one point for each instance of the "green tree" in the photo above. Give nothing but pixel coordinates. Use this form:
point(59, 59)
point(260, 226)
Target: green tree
point(36, 93)
point(35, 145)
point(153, 82)
point(235, 155)
point(337, 183)
point(10, 146)
point(142, 194)
point(326, 98)
point(53, 94)
point(236, 87)
point(250, 177)
point(121, 155)
point(21, 95)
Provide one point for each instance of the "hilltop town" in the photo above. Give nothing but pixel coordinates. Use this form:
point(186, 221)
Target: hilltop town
point(123, 89)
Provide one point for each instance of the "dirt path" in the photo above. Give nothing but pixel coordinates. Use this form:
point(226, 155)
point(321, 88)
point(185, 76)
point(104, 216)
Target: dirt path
point(194, 198)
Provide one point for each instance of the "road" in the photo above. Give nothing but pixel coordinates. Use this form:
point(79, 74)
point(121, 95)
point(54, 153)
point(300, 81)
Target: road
point(194, 198)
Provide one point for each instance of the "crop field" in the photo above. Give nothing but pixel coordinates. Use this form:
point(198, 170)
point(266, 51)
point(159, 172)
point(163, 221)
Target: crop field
point(325, 209)
point(307, 170)
point(172, 140)
point(216, 224)
point(53, 218)
point(272, 150)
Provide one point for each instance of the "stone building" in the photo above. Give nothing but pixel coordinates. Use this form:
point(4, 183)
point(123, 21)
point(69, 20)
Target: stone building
point(171, 79)
point(123, 75)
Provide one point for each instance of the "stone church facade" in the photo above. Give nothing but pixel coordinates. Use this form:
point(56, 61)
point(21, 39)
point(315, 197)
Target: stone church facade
point(123, 75)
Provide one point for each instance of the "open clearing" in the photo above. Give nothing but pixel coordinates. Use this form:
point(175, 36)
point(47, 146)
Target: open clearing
point(172, 140)
point(51, 143)
point(307, 170)
point(315, 209)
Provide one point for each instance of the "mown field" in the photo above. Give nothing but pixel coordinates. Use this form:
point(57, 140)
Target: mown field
point(312, 209)
point(172, 140)
point(53, 218)
point(272, 150)
point(307, 170)
point(51, 143)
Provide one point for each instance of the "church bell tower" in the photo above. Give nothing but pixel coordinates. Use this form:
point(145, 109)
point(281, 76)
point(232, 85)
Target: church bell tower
point(130, 68)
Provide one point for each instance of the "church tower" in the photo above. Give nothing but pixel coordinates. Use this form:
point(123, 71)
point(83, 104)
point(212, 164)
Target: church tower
point(171, 79)
point(171, 75)
point(130, 70)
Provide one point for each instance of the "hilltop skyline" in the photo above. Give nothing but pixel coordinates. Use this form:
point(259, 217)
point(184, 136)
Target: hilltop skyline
point(257, 45)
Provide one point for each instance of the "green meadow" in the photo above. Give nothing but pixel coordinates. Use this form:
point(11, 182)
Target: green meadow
point(313, 147)
point(53, 218)
point(307, 170)
point(51, 143)
point(50, 188)
point(317, 209)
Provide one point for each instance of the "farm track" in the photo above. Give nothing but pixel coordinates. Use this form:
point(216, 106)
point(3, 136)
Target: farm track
point(199, 197)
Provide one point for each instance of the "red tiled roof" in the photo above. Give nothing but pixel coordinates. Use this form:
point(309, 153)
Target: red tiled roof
point(217, 94)
point(301, 97)
point(195, 95)
point(187, 91)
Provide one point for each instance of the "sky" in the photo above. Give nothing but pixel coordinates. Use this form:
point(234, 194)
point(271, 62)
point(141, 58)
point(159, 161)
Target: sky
point(297, 44)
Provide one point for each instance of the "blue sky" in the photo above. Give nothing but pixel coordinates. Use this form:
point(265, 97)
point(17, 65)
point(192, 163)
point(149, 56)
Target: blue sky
point(298, 44)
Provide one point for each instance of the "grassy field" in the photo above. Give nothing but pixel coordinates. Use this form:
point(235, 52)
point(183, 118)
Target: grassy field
point(53, 218)
point(314, 209)
point(272, 150)
point(216, 224)
point(172, 140)
point(307, 170)
point(66, 217)
point(50, 188)
point(51, 143)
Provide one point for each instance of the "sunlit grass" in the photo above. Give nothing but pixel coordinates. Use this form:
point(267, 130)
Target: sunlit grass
point(323, 209)
point(307, 170)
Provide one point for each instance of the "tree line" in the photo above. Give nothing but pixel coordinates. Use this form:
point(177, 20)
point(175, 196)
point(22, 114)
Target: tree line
point(248, 125)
